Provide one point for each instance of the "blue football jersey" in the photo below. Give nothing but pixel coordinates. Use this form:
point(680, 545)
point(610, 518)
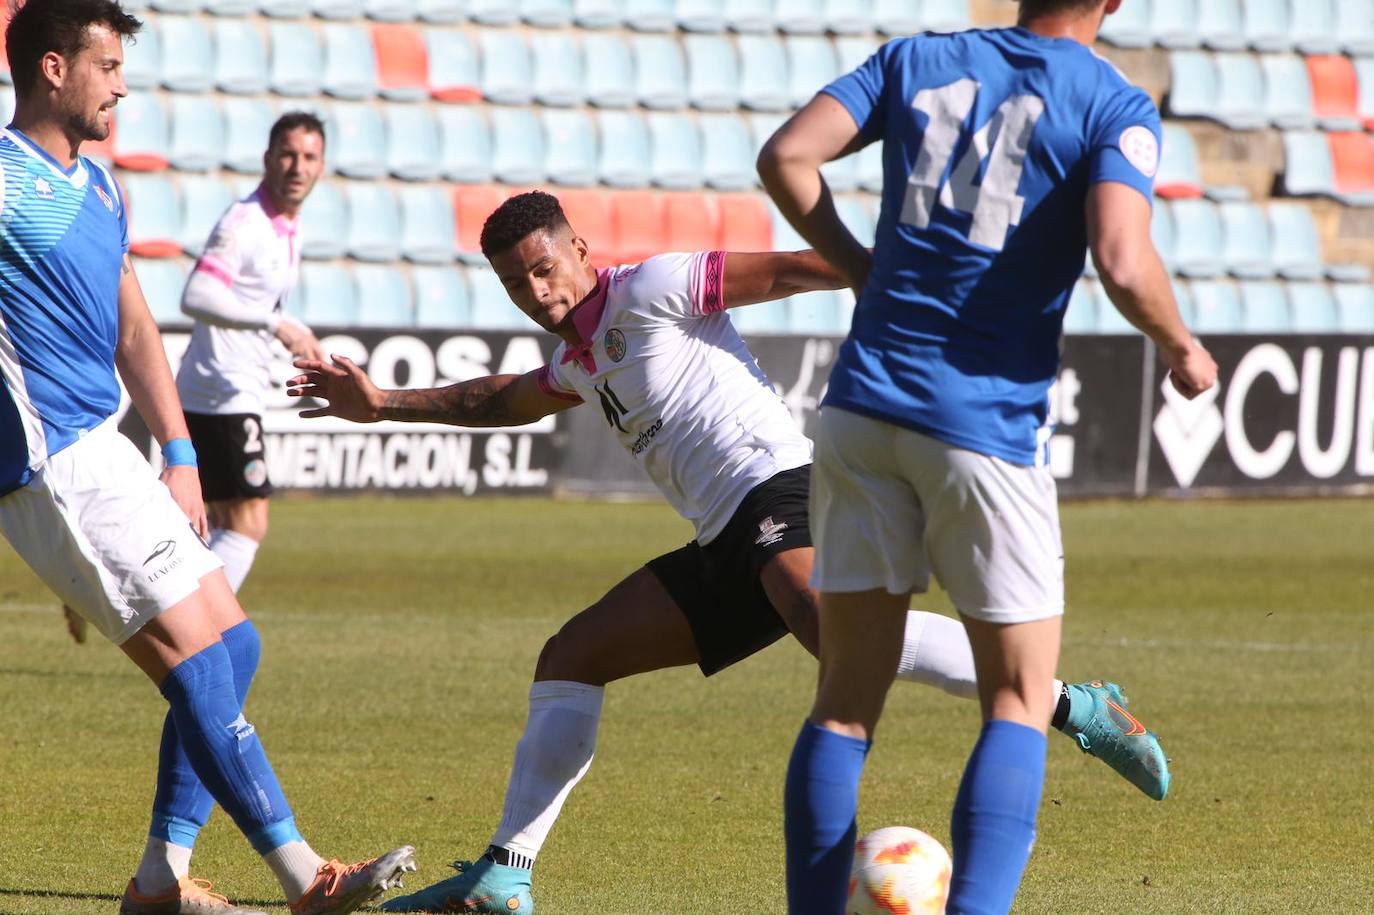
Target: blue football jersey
point(991, 139)
point(63, 235)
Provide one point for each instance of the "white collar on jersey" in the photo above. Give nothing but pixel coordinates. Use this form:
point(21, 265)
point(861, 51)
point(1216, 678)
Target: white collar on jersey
point(78, 175)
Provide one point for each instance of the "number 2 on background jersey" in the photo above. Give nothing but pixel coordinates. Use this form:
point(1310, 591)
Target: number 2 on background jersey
point(993, 203)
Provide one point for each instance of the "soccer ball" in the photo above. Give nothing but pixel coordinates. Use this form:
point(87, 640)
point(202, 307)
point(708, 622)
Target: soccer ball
point(899, 870)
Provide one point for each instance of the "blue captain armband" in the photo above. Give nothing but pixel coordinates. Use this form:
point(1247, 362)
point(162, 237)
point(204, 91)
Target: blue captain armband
point(179, 452)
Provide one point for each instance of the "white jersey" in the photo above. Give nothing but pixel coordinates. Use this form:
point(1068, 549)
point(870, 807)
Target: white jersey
point(254, 250)
point(678, 386)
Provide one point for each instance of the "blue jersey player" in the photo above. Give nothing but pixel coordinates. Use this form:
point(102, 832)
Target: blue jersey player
point(83, 507)
point(1007, 154)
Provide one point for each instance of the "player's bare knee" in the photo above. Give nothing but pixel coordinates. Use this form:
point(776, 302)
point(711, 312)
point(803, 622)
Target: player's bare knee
point(565, 657)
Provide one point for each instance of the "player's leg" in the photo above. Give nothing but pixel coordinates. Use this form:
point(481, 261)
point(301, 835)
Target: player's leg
point(237, 528)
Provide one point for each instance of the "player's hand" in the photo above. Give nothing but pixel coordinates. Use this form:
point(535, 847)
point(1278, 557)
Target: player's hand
point(1192, 370)
point(299, 340)
point(184, 483)
point(346, 389)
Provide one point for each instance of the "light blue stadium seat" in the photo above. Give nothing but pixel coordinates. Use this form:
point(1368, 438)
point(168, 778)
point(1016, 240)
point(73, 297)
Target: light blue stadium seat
point(142, 58)
point(203, 201)
point(441, 297)
point(763, 73)
point(848, 17)
point(660, 72)
point(856, 217)
point(625, 152)
point(1355, 26)
point(1162, 232)
point(384, 298)
point(762, 318)
point(811, 64)
point(247, 123)
point(325, 218)
point(1287, 91)
point(296, 59)
point(727, 152)
point(179, 7)
point(1349, 273)
point(1178, 161)
point(598, 14)
point(412, 143)
point(187, 54)
point(749, 16)
point(337, 9)
point(785, 238)
point(868, 168)
point(230, 7)
point(700, 15)
point(1220, 24)
point(822, 312)
point(1174, 23)
point(1264, 308)
point(1364, 72)
point(1217, 307)
point(557, 69)
point(162, 281)
point(1266, 24)
point(1308, 169)
point(609, 71)
point(897, 17)
point(712, 73)
point(374, 222)
point(945, 15)
point(465, 145)
point(492, 308)
point(1081, 316)
point(517, 146)
point(1240, 91)
point(1314, 309)
point(1197, 239)
point(154, 214)
point(763, 126)
point(1129, 27)
point(240, 57)
point(1297, 243)
point(284, 9)
point(141, 131)
point(197, 141)
point(1355, 307)
point(547, 14)
point(329, 297)
point(800, 17)
point(453, 62)
point(1193, 84)
point(1312, 26)
point(842, 174)
point(505, 67)
point(1249, 249)
point(357, 146)
point(350, 63)
point(650, 15)
point(390, 10)
point(851, 51)
point(493, 12)
point(676, 148)
point(570, 156)
point(440, 12)
point(1183, 295)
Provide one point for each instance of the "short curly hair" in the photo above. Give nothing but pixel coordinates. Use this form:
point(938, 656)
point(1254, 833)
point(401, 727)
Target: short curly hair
point(518, 217)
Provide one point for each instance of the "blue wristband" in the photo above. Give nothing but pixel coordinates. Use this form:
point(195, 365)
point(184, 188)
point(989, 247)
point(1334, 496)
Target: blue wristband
point(179, 452)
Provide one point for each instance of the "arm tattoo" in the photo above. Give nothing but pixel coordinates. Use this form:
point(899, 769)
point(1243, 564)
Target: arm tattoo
point(480, 402)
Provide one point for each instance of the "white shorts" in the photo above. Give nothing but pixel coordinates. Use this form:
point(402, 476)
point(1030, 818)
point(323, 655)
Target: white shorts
point(889, 506)
point(105, 535)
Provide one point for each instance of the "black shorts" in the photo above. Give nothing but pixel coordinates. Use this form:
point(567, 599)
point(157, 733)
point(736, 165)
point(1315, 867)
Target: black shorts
point(230, 454)
point(718, 585)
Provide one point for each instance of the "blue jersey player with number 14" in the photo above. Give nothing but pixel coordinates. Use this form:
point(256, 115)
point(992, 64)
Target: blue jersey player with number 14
point(1007, 155)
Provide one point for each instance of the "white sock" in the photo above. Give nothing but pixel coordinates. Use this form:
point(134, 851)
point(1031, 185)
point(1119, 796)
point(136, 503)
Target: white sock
point(935, 651)
point(236, 551)
point(552, 756)
point(295, 865)
point(162, 866)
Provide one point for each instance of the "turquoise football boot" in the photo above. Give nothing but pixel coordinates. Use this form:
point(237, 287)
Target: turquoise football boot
point(1098, 720)
point(480, 887)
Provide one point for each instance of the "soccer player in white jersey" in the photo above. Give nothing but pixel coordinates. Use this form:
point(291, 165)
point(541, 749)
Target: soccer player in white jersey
point(651, 345)
point(1007, 154)
point(84, 509)
point(235, 294)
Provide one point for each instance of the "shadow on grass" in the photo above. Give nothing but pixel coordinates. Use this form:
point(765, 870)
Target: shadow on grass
point(102, 897)
point(66, 674)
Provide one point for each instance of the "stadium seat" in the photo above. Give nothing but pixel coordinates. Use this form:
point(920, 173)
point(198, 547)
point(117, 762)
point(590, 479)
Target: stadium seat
point(162, 282)
point(1335, 92)
point(1179, 175)
point(692, 222)
point(1364, 69)
point(412, 143)
point(493, 12)
point(441, 298)
point(1354, 307)
point(505, 67)
point(197, 142)
point(557, 69)
point(517, 146)
point(471, 207)
point(337, 9)
point(570, 154)
point(625, 151)
point(1197, 239)
point(203, 201)
point(897, 17)
point(675, 145)
point(763, 73)
point(660, 72)
point(1355, 26)
point(154, 216)
point(453, 67)
point(374, 222)
point(240, 57)
point(821, 312)
point(247, 123)
point(745, 224)
point(1248, 251)
point(325, 220)
point(749, 16)
point(328, 296)
point(296, 59)
point(360, 150)
point(727, 152)
point(848, 17)
point(763, 126)
point(852, 52)
point(589, 214)
point(1287, 92)
point(856, 218)
point(1081, 315)
point(650, 15)
point(140, 142)
point(1193, 84)
point(491, 306)
point(440, 12)
point(350, 64)
point(1240, 101)
point(1352, 158)
point(785, 238)
point(1265, 24)
point(142, 58)
point(1216, 307)
point(1297, 244)
point(1313, 309)
point(384, 298)
point(1312, 26)
point(284, 9)
point(609, 71)
point(1264, 308)
point(547, 14)
point(1129, 27)
point(1219, 24)
point(1174, 23)
point(637, 217)
point(799, 17)
point(598, 14)
point(700, 15)
point(402, 62)
point(1308, 169)
point(811, 64)
point(762, 318)
point(939, 15)
point(712, 73)
point(465, 145)
point(230, 7)
point(187, 54)
point(390, 11)
point(842, 174)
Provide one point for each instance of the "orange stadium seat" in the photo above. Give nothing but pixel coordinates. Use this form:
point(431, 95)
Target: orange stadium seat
point(744, 223)
point(589, 213)
point(639, 226)
point(1353, 154)
point(1335, 91)
point(693, 222)
point(402, 61)
point(471, 207)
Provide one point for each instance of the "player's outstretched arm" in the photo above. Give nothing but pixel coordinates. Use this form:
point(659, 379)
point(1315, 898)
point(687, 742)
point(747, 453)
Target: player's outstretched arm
point(493, 400)
point(1137, 283)
point(765, 276)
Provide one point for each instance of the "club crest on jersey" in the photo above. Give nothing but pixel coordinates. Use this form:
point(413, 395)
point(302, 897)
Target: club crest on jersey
point(1141, 149)
point(42, 188)
point(104, 198)
point(615, 344)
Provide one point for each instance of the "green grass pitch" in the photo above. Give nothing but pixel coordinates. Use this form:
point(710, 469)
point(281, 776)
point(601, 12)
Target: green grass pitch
point(399, 636)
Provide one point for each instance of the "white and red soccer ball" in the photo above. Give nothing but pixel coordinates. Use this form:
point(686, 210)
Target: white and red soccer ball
point(899, 871)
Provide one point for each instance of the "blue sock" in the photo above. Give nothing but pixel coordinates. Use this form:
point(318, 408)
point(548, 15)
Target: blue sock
point(993, 826)
point(820, 803)
point(181, 805)
point(224, 750)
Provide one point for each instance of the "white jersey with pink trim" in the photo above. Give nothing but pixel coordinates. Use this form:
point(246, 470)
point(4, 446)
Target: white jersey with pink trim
point(678, 386)
point(255, 252)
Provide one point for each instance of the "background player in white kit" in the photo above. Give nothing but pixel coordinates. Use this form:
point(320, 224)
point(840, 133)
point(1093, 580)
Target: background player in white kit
point(235, 294)
point(651, 345)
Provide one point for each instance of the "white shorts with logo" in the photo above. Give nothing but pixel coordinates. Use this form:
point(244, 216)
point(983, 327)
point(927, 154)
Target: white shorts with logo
point(105, 535)
point(889, 506)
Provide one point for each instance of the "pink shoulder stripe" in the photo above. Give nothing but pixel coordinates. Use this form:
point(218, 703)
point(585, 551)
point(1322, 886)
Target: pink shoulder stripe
point(213, 266)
